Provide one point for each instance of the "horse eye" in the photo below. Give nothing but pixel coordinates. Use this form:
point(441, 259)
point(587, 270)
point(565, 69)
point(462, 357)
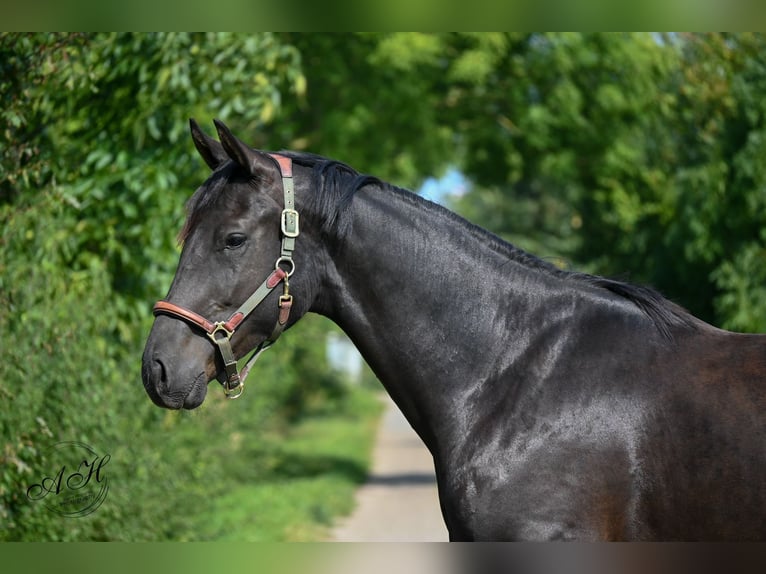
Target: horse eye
point(235, 240)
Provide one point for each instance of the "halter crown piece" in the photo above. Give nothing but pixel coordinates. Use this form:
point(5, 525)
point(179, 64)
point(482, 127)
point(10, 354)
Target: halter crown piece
point(221, 332)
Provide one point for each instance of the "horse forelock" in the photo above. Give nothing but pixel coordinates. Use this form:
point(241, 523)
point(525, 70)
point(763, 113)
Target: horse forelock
point(209, 195)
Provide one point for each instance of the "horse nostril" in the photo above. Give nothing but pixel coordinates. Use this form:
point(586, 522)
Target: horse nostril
point(154, 376)
point(160, 372)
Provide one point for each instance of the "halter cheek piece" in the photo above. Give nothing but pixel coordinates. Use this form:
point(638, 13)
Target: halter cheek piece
point(221, 332)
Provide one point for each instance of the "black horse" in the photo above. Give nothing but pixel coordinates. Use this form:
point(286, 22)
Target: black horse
point(557, 405)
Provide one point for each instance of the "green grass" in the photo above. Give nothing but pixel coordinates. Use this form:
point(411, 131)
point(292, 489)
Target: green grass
point(306, 478)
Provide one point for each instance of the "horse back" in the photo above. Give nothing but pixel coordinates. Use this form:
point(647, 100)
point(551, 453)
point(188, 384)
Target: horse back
point(703, 459)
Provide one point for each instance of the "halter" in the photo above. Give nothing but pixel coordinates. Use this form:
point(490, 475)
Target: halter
point(221, 332)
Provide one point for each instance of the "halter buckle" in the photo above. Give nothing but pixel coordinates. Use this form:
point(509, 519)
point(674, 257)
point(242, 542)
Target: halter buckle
point(234, 385)
point(290, 223)
point(234, 392)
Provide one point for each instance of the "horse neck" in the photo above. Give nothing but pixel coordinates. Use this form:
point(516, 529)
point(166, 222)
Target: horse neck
point(422, 295)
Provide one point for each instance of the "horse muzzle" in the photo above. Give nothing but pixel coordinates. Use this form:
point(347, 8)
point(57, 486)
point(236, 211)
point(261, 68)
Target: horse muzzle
point(176, 381)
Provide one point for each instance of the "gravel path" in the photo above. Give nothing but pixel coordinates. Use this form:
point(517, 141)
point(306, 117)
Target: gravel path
point(399, 502)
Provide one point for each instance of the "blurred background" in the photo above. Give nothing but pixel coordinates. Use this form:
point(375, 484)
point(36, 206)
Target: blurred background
point(639, 156)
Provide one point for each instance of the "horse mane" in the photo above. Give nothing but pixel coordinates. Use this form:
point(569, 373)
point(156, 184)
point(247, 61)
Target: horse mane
point(664, 313)
point(335, 184)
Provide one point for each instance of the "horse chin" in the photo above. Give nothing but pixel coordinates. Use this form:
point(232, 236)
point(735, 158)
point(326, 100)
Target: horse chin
point(197, 393)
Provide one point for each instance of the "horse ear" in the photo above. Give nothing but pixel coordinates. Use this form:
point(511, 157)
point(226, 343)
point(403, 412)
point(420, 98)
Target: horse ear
point(210, 150)
point(252, 160)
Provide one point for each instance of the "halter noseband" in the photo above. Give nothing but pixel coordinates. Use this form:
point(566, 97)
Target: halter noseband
point(221, 332)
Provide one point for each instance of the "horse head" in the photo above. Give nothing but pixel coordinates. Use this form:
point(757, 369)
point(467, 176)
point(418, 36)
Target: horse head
point(233, 290)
